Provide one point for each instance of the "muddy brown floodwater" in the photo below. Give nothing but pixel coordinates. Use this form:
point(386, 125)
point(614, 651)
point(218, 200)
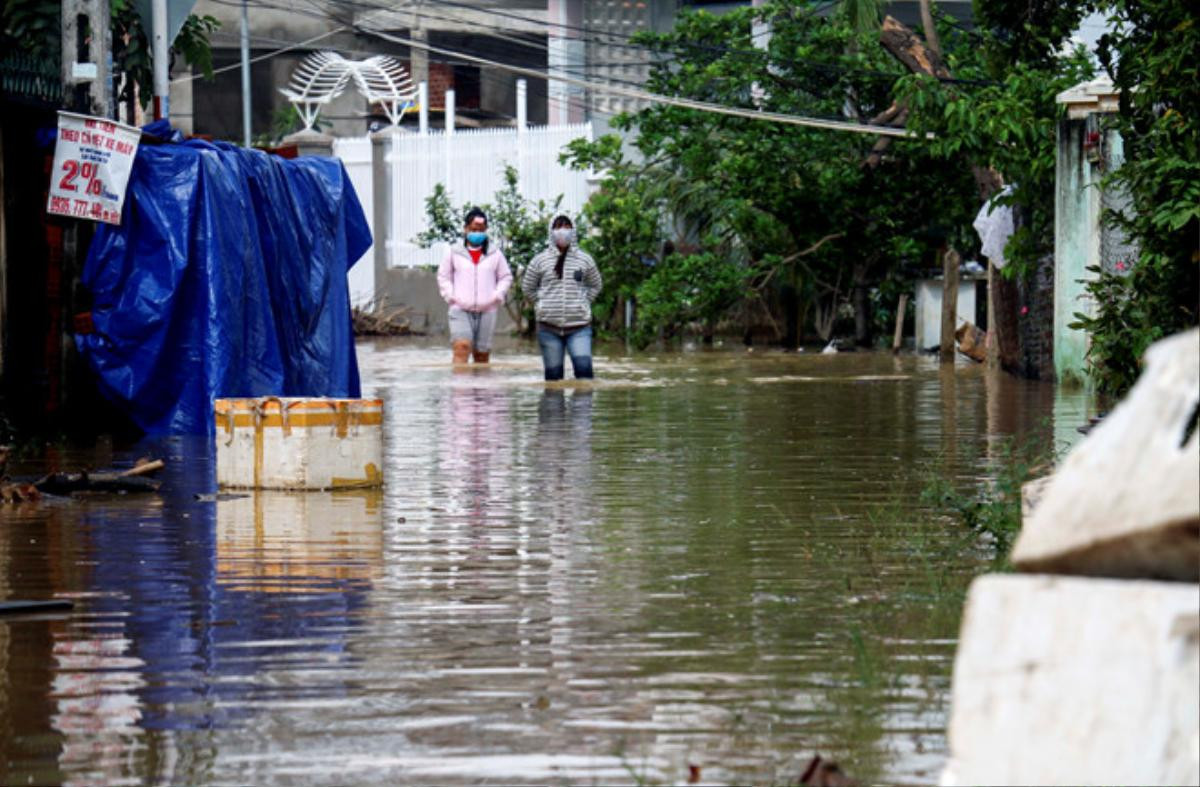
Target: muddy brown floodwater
point(711, 563)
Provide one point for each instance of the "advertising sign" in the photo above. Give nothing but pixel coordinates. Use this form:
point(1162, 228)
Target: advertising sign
point(92, 161)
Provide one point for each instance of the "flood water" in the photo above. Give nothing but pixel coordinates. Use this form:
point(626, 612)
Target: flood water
point(706, 564)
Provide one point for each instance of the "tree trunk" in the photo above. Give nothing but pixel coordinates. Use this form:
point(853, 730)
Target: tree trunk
point(931, 36)
point(904, 45)
point(862, 315)
point(898, 336)
point(1004, 325)
point(862, 323)
point(993, 352)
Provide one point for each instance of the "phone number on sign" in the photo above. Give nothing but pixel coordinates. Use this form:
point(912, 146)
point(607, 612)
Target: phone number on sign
point(83, 208)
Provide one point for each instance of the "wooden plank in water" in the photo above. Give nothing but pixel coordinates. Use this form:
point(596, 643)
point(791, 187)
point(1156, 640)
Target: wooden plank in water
point(31, 607)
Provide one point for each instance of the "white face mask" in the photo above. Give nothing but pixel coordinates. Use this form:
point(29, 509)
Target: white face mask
point(563, 236)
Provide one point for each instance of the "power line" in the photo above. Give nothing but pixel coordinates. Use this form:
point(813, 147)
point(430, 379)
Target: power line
point(644, 95)
point(266, 56)
point(751, 53)
point(634, 92)
point(594, 38)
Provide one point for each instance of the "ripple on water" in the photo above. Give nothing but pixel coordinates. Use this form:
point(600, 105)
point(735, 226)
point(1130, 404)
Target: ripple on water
point(710, 559)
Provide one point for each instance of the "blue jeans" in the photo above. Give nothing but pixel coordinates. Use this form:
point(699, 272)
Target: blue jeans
point(575, 341)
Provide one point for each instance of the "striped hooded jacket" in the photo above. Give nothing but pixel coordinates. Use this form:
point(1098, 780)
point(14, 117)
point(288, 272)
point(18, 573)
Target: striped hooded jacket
point(565, 302)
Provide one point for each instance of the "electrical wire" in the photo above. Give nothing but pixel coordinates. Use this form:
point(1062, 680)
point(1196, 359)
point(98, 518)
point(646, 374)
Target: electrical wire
point(633, 92)
point(266, 56)
point(595, 39)
point(655, 98)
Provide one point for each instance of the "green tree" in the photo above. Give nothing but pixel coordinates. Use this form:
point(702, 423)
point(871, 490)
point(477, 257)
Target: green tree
point(1009, 124)
point(1004, 119)
point(795, 207)
point(1151, 54)
point(626, 221)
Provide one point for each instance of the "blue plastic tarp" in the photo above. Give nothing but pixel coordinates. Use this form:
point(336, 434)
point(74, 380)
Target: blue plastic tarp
point(225, 278)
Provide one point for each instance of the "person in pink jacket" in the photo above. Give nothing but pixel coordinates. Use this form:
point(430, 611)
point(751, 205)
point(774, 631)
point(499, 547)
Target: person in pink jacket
point(474, 282)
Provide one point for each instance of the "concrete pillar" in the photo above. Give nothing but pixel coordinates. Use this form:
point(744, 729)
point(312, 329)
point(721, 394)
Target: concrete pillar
point(310, 143)
point(565, 55)
point(423, 107)
point(1077, 211)
point(382, 144)
point(160, 47)
point(418, 58)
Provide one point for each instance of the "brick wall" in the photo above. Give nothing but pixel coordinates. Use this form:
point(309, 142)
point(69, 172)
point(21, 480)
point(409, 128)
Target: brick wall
point(441, 79)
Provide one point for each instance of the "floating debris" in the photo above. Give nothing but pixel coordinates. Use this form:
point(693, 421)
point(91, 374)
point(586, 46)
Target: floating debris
point(375, 319)
point(825, 773)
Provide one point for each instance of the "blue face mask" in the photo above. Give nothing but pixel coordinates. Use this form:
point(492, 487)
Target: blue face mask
point(476, 238)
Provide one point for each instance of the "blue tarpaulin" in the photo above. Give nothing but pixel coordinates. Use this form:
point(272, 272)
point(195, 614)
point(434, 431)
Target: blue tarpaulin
point(225, 278)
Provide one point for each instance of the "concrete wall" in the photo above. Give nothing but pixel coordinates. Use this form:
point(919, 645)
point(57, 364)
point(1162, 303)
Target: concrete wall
point(416, 289)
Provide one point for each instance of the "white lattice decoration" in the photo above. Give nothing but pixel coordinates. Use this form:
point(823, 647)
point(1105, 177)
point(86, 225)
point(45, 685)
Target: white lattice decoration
point(323, 76)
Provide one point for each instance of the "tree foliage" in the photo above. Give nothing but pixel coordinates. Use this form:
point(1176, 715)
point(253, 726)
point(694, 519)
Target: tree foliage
point(792, 207)
point(796, 209)
point(1151, 53)
point(1001, 119)
point(34, 27)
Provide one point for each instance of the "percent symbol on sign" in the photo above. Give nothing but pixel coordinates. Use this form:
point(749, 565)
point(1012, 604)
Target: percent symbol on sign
point(86, 170)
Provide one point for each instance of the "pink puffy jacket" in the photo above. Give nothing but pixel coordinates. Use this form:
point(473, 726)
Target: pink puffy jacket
point(476, 287)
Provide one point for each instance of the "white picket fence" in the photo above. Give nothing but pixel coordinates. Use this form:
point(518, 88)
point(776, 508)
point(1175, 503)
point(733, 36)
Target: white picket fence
point(470, 163)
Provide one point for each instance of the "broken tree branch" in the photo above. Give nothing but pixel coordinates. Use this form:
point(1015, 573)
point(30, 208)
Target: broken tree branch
point(905, 46)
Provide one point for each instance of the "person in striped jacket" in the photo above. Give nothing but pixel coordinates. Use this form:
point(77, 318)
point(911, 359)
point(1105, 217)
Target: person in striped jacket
point(563, 281)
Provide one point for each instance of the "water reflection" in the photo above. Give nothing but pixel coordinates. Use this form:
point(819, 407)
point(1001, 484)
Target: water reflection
point(280, 542)
point(474, 465)
point(561, 458)
point(713, 559)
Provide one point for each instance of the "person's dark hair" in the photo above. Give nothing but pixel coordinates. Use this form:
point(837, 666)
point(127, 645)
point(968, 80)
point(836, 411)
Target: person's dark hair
point(559, 222)
point(476, 213)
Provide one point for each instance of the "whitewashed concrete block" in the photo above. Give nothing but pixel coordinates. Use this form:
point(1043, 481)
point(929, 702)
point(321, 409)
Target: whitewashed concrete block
point(1068, 680)
point(1126, 501)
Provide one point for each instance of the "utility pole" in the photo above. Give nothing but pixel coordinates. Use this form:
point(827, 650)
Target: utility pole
point(87, 56)
point(160, 55)
point(245, 73)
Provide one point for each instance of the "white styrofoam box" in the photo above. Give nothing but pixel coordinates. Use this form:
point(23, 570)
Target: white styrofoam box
point(271, 541)
point(299, 443)
point(929, 309)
